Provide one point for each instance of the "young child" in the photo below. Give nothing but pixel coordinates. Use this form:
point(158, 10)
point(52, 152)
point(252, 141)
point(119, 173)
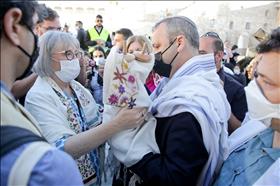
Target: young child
point(124, 78)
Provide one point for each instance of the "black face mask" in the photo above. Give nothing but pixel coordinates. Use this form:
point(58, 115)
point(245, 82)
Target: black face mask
point(99, 80)
point(163, 69)
point(32, 58)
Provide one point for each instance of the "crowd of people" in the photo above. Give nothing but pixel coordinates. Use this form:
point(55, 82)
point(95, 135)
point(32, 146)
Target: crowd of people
point(176, 108)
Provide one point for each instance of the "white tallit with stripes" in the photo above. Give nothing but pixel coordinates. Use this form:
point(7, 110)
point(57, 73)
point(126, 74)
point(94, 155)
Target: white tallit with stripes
point(196, 88)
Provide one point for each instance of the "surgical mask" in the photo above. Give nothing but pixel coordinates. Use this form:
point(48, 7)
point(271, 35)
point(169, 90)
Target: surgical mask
point(160, 67)
point(99, 60)
point(33, 57)
point(236, 71)
point(70, 69)
point(259, 108)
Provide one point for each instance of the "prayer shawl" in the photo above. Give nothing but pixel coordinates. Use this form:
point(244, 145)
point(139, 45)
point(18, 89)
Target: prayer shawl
point(196, 88)
point(59, 118)
point(123, 86)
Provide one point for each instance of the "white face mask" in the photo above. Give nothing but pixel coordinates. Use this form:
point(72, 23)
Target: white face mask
point(70, 69)
point(99, 60)
point(259, 108)
point(236, 71)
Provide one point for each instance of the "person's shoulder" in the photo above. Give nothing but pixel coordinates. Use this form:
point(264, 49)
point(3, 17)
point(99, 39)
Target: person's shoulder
point(233, 82)
point(40, 89)
point(51, 169)
point(57, 157)
point(40, 86)
point(188, 115)
point(82, 31)
point(184, 117)
point(105, 30)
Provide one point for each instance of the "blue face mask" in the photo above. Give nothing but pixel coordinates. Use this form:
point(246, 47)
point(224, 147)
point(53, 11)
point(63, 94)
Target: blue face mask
point(160, 67)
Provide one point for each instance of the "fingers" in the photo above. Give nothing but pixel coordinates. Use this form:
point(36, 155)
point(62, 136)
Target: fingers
point(124, 48)
point(140, 118)
point(143, 49)
point(131, 118)
point(140, 110)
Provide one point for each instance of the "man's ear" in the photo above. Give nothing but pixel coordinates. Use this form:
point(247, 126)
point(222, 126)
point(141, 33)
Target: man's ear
point(221, 54)
point(11, 25)
point(37, 30)
point(181, 42)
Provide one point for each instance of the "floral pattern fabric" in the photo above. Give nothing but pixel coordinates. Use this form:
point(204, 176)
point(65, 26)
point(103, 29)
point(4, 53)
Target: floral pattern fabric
point(124, 87)
point(88, 164)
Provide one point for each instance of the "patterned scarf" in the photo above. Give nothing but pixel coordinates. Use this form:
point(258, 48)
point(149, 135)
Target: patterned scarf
point(89, 163)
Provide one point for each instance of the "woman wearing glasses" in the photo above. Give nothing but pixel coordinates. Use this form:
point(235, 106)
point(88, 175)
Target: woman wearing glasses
point(65, 110)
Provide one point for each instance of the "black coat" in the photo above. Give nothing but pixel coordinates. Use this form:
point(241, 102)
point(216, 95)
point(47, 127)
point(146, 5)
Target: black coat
point(182, 153)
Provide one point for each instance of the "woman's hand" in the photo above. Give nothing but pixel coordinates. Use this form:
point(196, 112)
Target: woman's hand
point(129, 118)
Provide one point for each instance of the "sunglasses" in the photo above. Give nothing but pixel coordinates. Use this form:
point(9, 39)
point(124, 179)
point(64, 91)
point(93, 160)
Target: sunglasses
point(99, 20)
point(211, 34)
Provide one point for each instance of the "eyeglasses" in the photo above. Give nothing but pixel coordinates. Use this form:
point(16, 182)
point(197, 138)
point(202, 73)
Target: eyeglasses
point(71, 55)
point(52, 28)
point(211, 34)
point(99, 20)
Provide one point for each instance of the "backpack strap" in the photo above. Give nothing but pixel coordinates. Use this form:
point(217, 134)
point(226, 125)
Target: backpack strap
point(13, 137)
point(22, 168)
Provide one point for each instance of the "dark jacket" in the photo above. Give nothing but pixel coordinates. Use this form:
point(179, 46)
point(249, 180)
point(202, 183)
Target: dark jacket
point(182, 153)
point(81, 36)
point(235, 95)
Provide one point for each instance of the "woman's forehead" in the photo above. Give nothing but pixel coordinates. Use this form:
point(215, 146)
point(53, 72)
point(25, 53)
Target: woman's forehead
point(65, 48)
point(97, 52)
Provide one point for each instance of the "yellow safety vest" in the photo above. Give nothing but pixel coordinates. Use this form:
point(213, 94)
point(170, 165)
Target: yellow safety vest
point(94, 36)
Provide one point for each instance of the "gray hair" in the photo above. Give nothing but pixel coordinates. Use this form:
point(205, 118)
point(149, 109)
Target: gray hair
point(50, 42)
point(181, 25)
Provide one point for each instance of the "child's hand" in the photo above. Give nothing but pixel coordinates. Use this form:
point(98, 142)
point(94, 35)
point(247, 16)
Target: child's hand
point(140, 56)
point(127, 57)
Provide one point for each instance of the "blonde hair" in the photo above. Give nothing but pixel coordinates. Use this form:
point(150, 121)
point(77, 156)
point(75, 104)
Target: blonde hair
point(141, 40)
